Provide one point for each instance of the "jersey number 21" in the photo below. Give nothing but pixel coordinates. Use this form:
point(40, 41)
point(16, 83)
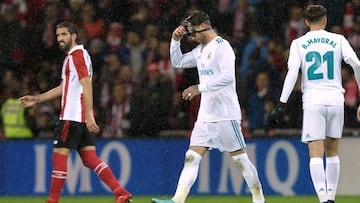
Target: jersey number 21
point(317, 60)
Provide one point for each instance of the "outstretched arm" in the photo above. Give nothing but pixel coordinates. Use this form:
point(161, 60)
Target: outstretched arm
point(30, 100)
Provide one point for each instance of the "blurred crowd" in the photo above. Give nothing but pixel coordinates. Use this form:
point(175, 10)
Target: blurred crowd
point(136, 91)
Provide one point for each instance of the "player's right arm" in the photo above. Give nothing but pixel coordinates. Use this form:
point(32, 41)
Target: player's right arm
point(30, 100)
point(177, 58)
point(351, 58)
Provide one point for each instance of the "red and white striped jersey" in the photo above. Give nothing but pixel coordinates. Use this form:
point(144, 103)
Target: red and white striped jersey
point(77, 65)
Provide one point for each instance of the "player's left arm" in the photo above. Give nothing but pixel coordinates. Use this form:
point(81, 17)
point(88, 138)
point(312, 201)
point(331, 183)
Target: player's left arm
point(88, 102)
point(85, 81)
point(351, 58)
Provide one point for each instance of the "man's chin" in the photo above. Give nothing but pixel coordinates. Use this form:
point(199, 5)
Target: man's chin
point(64, 49)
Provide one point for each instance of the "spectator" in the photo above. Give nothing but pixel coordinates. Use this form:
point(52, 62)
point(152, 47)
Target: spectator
point(21, 11)
point(166, 69)
point(45, 36)
point(8, 81)
point(109, 73)
point(117, 124)
point(295, 27)
point(125, 77)
point(16, 121)
point(256, 101)
point(151, 53)
point(114, 43)
point(46, 115)
point(136, 47)
point(95, 27)
point(12, 37)
point(351, 15)
point(255, 47)
point(351, 96)
point(151, 101)
point(73, 11)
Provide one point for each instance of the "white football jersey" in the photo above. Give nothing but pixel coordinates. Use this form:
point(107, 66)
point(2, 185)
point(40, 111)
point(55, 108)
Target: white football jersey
point(215, 63)
point(319, 55)
point(77, 65)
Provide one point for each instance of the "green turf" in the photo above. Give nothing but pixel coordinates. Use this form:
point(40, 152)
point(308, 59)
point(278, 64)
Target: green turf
point(191, 199)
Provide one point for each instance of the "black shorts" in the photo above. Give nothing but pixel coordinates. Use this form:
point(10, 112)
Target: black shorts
point(73, 135)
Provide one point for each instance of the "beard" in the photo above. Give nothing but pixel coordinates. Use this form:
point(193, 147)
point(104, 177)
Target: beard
point(65, 46)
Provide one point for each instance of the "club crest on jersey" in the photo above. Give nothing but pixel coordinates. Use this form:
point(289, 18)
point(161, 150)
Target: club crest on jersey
point(209, 55)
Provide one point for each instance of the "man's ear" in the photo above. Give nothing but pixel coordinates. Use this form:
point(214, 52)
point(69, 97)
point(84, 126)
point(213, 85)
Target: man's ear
point(324, 20)
point(74, 37)
point(307, 23)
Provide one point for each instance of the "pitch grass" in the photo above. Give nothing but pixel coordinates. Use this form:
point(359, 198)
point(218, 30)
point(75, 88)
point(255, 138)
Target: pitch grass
point(191, 199)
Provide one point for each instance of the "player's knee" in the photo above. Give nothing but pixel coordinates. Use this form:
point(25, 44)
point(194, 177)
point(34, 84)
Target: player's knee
point(242, 161)
point(86, 163)
point(192, 158)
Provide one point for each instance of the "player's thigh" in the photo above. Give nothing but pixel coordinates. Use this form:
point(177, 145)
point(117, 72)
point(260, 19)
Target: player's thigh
point(231, 136)
point(222, 135)
point(200, 135)
point(314, 123)
point(335, 121)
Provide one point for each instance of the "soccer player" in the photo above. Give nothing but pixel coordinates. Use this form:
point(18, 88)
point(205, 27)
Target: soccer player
point(319, 55)
point(77, 126)
point(219, 117)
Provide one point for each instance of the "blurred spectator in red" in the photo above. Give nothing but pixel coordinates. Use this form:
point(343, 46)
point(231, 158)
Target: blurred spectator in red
point(44, 46)
point(244, 17)
point(125, 77)
point(109, 72)
point(354, 37)
point(296, 25)
point(114, 43)
point(117, 124)
point(351, 96)
point(351, 15)
point(12, 39)
point(95, 27)
point(73, 11)
point(20, 8)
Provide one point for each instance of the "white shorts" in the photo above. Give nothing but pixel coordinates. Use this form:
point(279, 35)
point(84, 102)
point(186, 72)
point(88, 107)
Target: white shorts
point(320, 121)
point(223, 135)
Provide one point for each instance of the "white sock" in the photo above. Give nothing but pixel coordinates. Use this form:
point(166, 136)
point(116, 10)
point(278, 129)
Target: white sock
point(317, 173)
point(250, 174)
point(332, 176)
point(188, 176)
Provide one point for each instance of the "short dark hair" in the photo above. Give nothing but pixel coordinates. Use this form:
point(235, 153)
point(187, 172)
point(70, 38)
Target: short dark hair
point(314, 13)
point(70, 26)
point(197, 17)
